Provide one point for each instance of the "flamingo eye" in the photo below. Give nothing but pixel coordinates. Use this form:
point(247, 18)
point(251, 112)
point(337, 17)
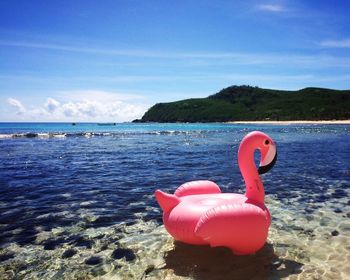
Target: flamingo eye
point(267, 142)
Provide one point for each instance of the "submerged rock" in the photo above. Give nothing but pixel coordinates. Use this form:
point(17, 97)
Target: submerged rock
point(5, 257)
point(123, 253)
point(93, 260)
point(335, 233)
point(52, 244)
point(82, 241)
point(339, 193)
point(149, 269)
point(69, 253)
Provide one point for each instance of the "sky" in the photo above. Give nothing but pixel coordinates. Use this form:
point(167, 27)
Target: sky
point(105, 61)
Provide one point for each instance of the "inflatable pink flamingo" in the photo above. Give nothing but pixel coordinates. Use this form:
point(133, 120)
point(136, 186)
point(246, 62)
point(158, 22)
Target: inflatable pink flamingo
point(198, 213)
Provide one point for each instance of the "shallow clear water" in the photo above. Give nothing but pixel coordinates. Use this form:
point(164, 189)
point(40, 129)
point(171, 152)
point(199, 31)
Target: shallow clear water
point(77, 201)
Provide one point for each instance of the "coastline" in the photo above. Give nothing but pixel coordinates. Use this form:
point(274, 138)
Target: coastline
point(292, 122)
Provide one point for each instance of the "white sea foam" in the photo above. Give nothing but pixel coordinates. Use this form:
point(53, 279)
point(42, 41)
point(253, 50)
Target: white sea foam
point(58, 135)
point(5, 136)
point(43, 135)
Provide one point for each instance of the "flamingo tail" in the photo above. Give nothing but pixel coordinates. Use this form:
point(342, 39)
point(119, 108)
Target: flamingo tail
point(166, 201)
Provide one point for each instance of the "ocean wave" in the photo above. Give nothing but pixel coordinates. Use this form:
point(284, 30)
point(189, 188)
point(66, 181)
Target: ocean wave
point(101, 134)
point(33, 135)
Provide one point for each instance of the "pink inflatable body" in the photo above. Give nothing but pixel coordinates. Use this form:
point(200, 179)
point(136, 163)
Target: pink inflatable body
point(198, 213)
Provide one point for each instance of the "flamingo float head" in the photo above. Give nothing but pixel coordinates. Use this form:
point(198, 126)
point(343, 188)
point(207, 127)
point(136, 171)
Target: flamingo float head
point(256, 140)
point(268, 155)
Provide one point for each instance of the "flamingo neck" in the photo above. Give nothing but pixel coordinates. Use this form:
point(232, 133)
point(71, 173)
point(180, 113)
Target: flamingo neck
point(254, 188)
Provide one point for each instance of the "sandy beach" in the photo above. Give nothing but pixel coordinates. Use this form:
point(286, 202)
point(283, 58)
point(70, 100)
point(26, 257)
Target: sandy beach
point(292, 122)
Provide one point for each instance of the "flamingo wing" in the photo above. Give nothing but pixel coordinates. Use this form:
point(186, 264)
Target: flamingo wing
point(197, 187)
point(241, 227)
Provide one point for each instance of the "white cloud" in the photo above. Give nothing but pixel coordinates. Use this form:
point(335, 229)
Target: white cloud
point(70, 110)
point(271, 8)
point(51, 104)
point(17, 105)
point(90, 105)
point(336, 43)
point(87, 110)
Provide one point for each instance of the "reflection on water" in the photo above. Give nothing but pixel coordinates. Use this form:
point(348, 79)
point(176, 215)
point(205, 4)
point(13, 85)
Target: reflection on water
point(83, 208)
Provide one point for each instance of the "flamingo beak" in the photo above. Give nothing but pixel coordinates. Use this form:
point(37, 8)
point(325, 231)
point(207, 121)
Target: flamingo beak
point(268, 160)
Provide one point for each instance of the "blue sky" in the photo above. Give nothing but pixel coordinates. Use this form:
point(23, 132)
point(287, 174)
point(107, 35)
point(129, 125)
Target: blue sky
point(112, 60)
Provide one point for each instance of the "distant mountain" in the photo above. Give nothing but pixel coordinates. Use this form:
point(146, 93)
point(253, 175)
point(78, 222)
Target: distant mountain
point(246, 103)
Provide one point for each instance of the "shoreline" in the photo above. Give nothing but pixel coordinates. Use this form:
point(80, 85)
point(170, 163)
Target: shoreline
point(292, 122)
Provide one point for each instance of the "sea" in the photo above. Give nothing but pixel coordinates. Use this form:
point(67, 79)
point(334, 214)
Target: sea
point(77, 200)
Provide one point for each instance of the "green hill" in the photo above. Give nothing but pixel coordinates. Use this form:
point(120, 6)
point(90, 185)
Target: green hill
point(246, 103)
